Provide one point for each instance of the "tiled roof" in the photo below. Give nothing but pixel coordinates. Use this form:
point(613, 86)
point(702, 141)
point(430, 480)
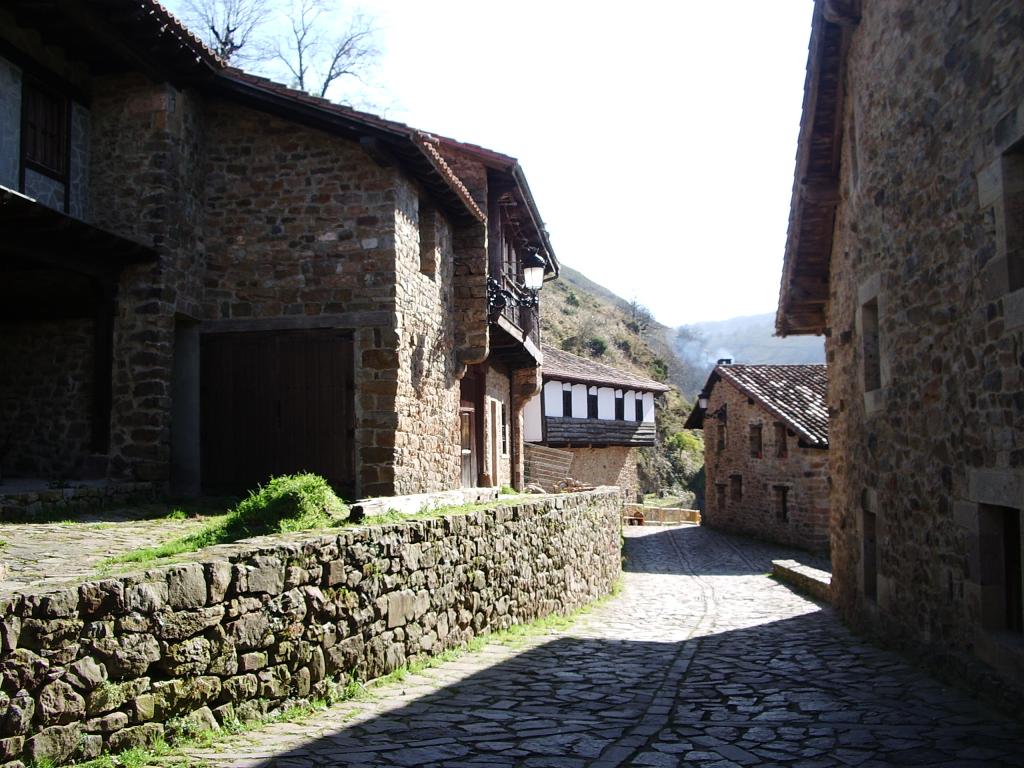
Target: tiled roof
point(566, 366)
point(794, 393)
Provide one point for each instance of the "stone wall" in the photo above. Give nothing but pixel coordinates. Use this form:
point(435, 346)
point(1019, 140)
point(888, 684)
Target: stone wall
point(46, 374)
point(247, 627)
point(757, 507)
point(935, 103)
point(608, 465)
point(427, 452)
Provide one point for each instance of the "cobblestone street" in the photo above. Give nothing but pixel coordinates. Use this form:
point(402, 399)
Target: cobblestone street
point(701, 660)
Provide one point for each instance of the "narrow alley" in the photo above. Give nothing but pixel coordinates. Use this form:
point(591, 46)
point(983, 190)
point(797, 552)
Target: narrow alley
point(701, 660)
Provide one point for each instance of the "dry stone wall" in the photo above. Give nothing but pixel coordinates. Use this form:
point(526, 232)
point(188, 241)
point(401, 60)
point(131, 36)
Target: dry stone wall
point(248, 627)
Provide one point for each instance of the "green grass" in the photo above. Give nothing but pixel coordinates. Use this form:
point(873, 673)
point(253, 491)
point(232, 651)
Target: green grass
point(394, 516)
point(652, 500)
point(285, 504)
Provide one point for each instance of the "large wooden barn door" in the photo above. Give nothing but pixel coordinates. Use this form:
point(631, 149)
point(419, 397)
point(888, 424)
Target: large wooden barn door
point(275, 402)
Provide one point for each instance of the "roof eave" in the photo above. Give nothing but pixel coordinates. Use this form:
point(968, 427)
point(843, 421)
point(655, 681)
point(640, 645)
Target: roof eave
point(804, 286)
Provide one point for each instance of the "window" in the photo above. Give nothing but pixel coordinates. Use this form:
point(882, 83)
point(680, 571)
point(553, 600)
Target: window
point(620, 406)
point(592, 403)
point(870, 556)
point(1013, 213)
point(870, 341)
point(756, 445)
point(721, 436)
point(736, 487)
point(1002, 579)
point(428, 237)
point(781, 441)
point(504, 430)
point(720, 496)
point(567, 403)
point(781, 503)
point(44, 130)
point(639, 407)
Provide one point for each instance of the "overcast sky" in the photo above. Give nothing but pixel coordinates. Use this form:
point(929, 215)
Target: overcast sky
point(658, 137)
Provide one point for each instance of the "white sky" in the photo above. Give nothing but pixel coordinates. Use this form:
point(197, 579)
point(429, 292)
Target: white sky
point(659, 138)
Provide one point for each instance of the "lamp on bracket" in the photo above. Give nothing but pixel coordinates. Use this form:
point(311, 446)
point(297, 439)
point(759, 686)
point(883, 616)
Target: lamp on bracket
point(499, 297)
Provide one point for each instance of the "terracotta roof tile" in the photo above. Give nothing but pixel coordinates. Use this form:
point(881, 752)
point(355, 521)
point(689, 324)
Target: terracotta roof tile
point(566, 366)
point(796, 394)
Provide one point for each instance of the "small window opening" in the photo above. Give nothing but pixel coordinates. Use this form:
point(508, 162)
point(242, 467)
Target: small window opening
point(782, 503)
point(736, 487)
point(781, 441)
point(870, 334)
point(1002, 578)
point(720, 496)
point(428, 237)
point(639, 409)
point(870, 556)
point(620, 407)
point(1013, 208)
point(756, 441)
point(567, 403)
point(721, 436)
point(504, 430)
point(592, 403)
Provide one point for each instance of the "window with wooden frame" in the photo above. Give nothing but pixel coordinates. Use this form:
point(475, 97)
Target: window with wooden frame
point(722, 435)
point(781, 441)
point(567, 401)
point(756, 441)
point(720, 496)
point(620, 406)
point(592, 403)
point(639, 407)
point(45, 129)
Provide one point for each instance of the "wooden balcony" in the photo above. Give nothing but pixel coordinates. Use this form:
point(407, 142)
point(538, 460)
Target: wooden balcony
point(514, 310)
point(563, 431)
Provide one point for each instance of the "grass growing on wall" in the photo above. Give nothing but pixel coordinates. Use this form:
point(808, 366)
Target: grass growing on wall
point(285, 504)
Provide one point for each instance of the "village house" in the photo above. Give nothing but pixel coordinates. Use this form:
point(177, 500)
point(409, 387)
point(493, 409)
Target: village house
point(588, 423)
point(906, 250)
point(210, 278)
point(766, 452)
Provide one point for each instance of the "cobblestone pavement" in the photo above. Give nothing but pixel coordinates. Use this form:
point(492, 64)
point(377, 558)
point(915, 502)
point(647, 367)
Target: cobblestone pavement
point(43, 554)
point(701, 661)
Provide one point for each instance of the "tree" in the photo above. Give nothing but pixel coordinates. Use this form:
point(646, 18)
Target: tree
point(316, 58)
point(227, 26)
point(316, 49)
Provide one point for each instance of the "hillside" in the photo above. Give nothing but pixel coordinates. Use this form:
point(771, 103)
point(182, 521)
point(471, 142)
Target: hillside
point(584, 318)
point(743, 339)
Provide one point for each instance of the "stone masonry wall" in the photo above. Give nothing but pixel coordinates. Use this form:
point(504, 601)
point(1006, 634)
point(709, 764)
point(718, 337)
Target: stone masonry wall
point(145, 184)
point(46, 373)
point(934, 100)
point(610, 465)
point(249, 626)
point(427, 451)
point(804, 472)
point(302, 225)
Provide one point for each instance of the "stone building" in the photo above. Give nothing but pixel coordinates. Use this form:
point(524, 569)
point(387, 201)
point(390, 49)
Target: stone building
point(766, 452)
point(210, 278)
point(588, 422)
point(906, 250)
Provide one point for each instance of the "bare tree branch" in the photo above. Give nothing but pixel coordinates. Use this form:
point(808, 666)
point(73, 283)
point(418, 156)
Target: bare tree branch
point(227, 25)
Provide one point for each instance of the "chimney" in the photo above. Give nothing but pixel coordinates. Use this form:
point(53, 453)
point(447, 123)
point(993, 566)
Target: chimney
point(724, 361)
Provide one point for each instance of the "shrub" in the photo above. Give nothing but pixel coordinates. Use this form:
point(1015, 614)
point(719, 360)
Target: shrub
point(287, 503)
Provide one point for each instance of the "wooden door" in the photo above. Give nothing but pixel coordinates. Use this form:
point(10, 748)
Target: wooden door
point(467, 430)
point(275, 402)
